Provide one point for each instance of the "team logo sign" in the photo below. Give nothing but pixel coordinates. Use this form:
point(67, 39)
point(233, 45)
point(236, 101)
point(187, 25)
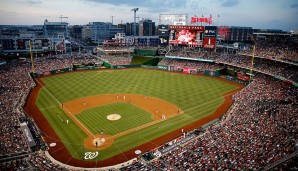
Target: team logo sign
point(130, 41)
point(90, 155)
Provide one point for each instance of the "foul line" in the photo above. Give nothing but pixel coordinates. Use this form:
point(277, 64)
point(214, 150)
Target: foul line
point(71, 116)
point(171, 116)
point(74, 118)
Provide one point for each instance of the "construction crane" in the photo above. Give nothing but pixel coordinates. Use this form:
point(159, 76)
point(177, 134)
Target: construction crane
point(135, 25)
point(252, 57)
point(112, 19)
point(62, 17)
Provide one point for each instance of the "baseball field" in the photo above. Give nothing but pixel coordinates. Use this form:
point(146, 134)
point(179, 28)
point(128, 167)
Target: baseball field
point(104, 115)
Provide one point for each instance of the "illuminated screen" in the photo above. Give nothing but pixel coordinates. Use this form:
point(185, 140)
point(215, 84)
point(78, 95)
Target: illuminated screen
point(187, 37)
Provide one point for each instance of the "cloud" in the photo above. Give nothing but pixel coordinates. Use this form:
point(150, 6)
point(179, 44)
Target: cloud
point(165, 4)
point(230, 3)
point(32, 2)
point(295, 5)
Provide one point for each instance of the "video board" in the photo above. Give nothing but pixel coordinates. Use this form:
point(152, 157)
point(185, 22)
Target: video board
point(186, 35)
point(210, 37)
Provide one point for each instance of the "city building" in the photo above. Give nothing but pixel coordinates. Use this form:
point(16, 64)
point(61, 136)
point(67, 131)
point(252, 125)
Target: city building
point(128, 28)
point(53, 29)
point(76, 31)
point(146, 28)
point(100, 31)
point(21, 31)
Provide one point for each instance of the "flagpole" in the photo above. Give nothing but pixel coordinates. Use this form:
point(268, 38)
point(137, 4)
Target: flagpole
point(217, 20)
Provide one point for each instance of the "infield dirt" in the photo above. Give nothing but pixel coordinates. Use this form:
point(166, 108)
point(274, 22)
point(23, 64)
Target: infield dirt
point(155, 106)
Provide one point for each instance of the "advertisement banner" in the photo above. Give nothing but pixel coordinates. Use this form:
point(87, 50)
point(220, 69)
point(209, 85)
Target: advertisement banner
point(210, 31)
point(163, 30)
point(141, 40)
point(168, 19)
point(163, 40)
point(242, 76)
point(209, 43)
point(27, 134)
point(201, 20)
point(185, 70)
point(175, 27)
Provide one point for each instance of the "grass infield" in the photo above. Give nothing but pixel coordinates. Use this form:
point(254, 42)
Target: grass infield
point(197, 96)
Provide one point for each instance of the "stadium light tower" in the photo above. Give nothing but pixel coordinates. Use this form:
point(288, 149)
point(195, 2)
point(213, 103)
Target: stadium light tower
point(134, 24)
point(253, 56)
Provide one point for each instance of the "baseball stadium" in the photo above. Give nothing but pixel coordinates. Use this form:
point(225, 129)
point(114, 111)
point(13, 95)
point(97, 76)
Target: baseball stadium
point(138, 103)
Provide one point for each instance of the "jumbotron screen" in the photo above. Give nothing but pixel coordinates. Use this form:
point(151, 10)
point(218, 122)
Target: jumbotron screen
point(186, 35)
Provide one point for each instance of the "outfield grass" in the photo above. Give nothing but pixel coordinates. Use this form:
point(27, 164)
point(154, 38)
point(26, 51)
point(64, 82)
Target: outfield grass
point(197, 96)
point(140, 59)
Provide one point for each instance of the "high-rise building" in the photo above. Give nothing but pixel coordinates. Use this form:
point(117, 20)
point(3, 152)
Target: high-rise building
point(100, 31)
point(53, 29)
point(146, 28)
point(128, 28)
point(76, 31)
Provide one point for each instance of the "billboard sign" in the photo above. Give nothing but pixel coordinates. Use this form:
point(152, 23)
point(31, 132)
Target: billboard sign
point(163, 30)
point(163, 40)
point(141, 40)
point(209, 43)
point(27, 134)
point(210, 31)
point(201, 20)
point(173, 19)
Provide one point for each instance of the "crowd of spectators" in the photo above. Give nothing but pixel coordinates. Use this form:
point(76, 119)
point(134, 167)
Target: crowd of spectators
point(192, 52)
point(117, 59)
point(54, 62)
point(15, 84)
point(260, 129)
point(195, 65)
point(279, 50)
point(262, 65)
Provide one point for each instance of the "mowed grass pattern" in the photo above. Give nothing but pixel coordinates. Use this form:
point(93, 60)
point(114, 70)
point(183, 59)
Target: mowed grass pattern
point(95, 119)
point(197, 96)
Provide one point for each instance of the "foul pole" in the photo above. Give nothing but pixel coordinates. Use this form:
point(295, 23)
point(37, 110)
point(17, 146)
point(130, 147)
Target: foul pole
point(31, 56)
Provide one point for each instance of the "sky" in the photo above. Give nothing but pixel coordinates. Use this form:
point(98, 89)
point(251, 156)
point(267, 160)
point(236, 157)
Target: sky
point(259, 14)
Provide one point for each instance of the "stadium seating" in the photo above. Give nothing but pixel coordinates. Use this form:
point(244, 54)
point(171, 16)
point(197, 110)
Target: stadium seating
point(261, 127)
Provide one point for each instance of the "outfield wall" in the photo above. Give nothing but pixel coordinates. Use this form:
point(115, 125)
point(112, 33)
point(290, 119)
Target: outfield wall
point(144, 52)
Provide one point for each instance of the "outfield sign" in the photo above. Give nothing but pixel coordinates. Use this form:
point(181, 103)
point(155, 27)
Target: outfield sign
point(193, 59)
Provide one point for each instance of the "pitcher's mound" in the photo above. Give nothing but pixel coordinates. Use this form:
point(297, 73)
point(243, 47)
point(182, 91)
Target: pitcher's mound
point(113, 117)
